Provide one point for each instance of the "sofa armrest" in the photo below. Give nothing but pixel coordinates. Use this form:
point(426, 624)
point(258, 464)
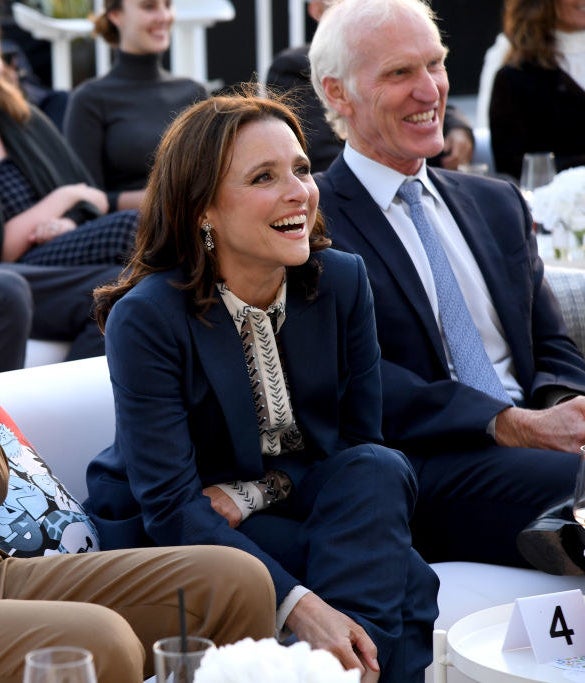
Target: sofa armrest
point(66, 411)
point(568, 285)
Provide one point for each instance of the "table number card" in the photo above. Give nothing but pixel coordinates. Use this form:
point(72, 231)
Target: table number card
point(553, 625)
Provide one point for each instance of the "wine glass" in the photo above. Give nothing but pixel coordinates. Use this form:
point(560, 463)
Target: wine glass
point(59, 665)
point(579, 497)
point(538, 169)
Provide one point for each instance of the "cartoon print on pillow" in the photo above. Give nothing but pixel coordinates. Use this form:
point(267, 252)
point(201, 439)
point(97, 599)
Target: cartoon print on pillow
point(39, 516)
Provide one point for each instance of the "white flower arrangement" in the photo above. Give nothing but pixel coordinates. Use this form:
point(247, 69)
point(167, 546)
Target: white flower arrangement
point(250, 661)
point(561, 203)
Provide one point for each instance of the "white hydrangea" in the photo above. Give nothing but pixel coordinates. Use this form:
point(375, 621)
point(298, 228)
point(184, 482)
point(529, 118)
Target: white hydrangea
point(561, 203)
point(250, 661)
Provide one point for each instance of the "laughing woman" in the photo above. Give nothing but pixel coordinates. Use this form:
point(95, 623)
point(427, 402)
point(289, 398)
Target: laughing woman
point(245, 369)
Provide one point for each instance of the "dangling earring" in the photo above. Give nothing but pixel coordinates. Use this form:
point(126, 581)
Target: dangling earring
point(207, 238)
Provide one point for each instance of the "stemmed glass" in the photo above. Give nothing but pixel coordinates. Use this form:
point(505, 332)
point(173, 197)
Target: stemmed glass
point(579, 497)
point(59, 665)
point(538, 169)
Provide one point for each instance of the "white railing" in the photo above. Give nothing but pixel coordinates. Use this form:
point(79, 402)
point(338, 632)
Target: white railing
point(188, 45)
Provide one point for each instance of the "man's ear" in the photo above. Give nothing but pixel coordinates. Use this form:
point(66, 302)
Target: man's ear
point(336, 94)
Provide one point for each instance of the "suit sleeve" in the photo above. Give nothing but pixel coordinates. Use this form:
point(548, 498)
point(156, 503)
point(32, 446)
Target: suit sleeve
point(146, 358)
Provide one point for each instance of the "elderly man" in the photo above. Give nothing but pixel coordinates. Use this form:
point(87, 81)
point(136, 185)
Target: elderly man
point(290, 71)
point(482, 386)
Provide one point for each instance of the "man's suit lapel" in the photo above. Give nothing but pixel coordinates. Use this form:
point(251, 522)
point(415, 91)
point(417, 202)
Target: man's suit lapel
point(491, 262)
point(222, 358)
point(365, 215)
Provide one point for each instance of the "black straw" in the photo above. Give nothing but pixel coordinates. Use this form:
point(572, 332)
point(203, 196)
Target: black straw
point(182, 620)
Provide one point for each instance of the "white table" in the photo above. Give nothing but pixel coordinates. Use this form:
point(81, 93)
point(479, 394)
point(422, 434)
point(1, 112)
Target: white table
point(473, 646)
point(189, 43)
point(60, 33)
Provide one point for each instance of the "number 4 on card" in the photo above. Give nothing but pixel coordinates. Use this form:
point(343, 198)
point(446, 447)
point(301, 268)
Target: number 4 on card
point(553, 625)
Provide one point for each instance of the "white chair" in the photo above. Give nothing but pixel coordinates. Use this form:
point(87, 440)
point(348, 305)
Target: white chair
point(60, 33)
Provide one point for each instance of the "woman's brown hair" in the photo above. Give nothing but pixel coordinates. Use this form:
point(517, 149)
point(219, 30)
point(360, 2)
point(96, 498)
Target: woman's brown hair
point(191, 161)
point(529, 26)
point(104, 27)
point(13, 101)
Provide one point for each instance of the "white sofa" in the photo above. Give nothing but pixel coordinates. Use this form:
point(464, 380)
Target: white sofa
point(66, 411)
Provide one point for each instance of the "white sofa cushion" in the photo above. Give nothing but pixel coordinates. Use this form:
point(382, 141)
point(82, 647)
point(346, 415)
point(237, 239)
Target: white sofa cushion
point(66, 410)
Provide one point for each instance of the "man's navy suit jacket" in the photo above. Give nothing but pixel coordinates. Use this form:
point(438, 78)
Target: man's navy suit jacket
point(423, 407)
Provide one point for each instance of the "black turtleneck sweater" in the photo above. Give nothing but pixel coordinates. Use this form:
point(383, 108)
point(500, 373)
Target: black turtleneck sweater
point(115, 122)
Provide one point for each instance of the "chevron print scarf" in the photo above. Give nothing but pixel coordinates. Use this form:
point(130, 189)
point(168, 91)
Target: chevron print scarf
point(258, 330)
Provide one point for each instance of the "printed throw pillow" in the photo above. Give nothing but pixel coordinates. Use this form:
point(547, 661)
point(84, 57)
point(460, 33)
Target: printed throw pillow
point(39, 515)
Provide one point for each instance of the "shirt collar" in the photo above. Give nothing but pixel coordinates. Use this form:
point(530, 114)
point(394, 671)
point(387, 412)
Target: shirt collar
point(239, 309)
point(382, 182)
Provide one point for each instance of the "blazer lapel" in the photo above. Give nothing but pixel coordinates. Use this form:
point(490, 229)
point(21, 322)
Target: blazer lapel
point(311, 364)
point(491, 262)
point(222, 358)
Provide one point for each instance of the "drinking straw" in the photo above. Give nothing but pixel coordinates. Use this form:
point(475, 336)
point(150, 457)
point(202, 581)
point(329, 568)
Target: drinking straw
point(182, 620)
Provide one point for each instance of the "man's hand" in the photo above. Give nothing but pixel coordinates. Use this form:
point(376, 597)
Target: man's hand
point(316, 622)
point(458, 149)
point(223, 505)
point(560, 428)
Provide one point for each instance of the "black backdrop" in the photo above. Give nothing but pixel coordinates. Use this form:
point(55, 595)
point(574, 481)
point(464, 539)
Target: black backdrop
point(469, 28)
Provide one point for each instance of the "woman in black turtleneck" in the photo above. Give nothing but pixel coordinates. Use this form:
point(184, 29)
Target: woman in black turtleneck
point(115, 122)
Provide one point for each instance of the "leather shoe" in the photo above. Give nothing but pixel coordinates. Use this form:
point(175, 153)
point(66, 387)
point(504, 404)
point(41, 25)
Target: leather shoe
point(554, 542)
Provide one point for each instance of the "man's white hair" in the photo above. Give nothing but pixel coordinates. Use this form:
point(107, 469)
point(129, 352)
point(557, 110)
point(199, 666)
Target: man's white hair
point(333, 48)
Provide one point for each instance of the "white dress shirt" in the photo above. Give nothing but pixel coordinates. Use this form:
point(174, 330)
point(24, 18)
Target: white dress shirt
point(382, 183)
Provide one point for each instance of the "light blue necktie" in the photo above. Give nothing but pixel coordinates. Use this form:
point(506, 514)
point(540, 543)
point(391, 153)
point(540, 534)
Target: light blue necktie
point(470, 360)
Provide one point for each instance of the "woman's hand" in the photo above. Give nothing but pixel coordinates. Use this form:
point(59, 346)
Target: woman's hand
point(20, 230)
point(50, 229)
point(223, 505)
point(322, 626)
point(87, 193)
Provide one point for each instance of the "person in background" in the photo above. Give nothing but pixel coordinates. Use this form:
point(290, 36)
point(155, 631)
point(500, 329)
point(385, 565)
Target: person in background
point(117, 604)
point(538, 96)
point(50, 212)
point(246, 378)
point(15, 319)
point(483, 388)
point(291, 71)
point(50, 102)
point(50, 303)
point(115, 122)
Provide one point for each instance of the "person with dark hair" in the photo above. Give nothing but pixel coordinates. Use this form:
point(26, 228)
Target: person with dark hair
point(290, 72)
point(50, 212)
point(246, 379)
point(483, 388)
point(16, 312)
point(50, 303)
point(538, 96)
point(115, 122)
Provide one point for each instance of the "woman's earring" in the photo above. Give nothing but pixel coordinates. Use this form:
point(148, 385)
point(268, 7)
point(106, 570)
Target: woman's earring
point(207, 238)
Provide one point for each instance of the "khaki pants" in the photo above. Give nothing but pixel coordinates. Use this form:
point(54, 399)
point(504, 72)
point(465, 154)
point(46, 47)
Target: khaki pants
point(117, 603)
